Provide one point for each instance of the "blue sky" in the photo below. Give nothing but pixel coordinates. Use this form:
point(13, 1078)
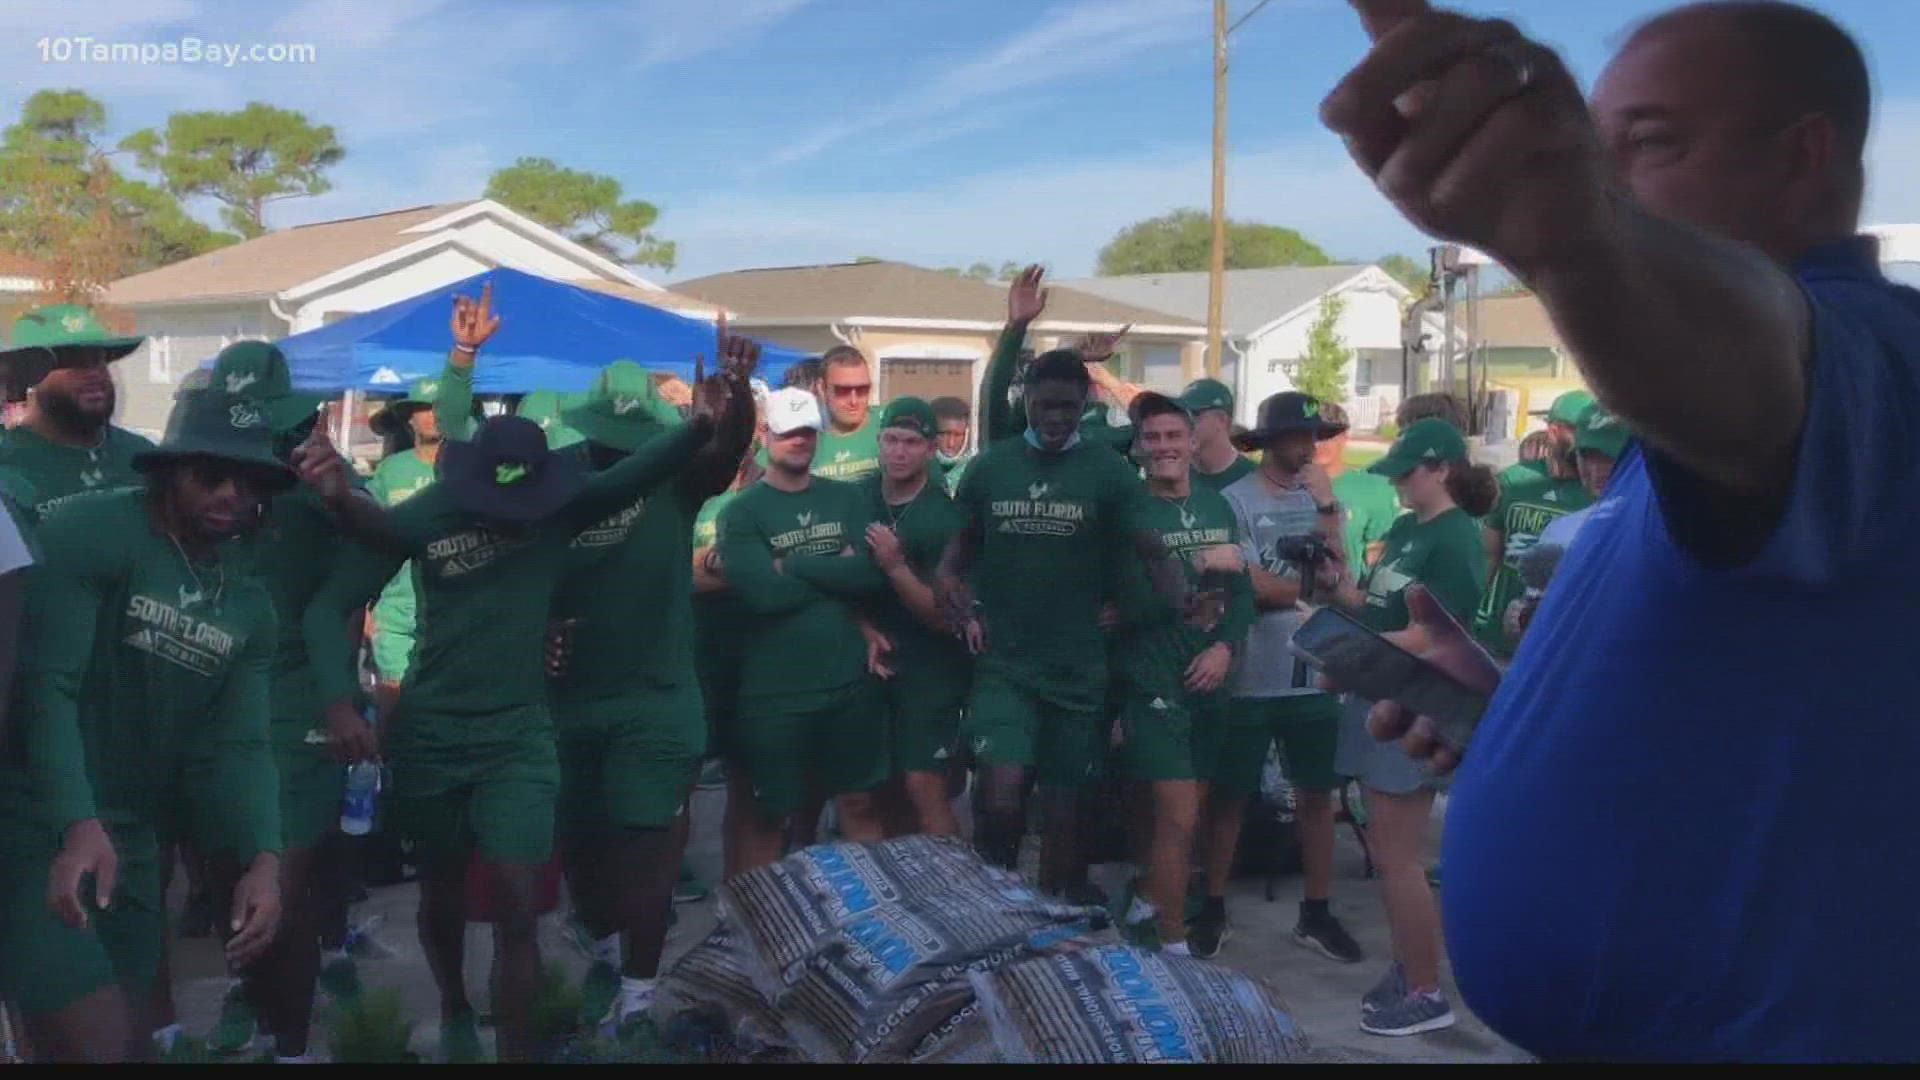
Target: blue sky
point(780, 132)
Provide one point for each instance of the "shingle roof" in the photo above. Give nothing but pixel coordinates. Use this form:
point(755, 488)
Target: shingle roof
point(1513, 322)
point(1253, 299)
point(902, 291)
point(660, 298)
point(276, 261)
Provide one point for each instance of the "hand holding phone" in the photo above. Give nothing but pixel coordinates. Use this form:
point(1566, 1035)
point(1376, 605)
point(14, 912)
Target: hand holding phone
point(1428, 699)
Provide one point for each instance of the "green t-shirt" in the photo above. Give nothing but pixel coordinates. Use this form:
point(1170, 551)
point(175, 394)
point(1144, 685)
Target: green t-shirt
point(398, 478)
point(644, 553)
point(849, 457)
point(1051, 527)
point(1225, 478)
point(1101, 424)
point(924, 525)
point(292, 554)
point(57, 473)
point(481, 595)
point(1529, 502)
point(801, 635)
point(1371, 507)
point(1443, 554)
point(1154, 645)
point(145, 682)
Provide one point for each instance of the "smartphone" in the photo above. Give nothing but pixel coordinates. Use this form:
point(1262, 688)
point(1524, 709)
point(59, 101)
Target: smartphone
point(1370, 666)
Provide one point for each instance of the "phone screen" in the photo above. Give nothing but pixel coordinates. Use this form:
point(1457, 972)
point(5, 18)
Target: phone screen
point(1368, 665)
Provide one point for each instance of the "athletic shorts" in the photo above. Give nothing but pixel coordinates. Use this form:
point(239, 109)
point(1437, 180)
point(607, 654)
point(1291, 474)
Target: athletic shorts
point(803, 746)
point(1171, 736)
point(467, 785)
point(629, 764)
point(923, 719)
point(1381, 766)
point(1009, 725)
point(312, 785)
point(44, 965)
point(1308, 729)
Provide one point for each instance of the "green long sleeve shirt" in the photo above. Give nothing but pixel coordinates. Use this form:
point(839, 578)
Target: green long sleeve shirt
point(1155, 645)
point(58, 473)
point(145, 682)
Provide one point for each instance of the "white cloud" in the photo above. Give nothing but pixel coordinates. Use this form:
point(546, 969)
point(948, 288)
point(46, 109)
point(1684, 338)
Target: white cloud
point(1071, 40)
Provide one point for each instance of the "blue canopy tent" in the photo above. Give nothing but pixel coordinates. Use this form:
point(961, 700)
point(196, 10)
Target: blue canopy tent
point(552, 336)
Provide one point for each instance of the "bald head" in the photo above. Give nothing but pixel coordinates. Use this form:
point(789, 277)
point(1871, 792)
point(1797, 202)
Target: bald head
point(1746, 117)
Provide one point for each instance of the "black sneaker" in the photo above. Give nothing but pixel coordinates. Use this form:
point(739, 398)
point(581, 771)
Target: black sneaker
point(1207, 931)
point(1321, 932)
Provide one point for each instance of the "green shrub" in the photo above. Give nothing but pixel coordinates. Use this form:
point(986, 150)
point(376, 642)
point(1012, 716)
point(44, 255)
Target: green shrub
point(372, 1029)
point(1389, 430)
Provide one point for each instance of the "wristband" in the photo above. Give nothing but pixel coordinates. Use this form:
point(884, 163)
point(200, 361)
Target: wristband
point(468, 349)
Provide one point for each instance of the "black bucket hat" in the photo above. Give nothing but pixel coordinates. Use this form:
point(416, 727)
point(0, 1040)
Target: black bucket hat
point(224, 427)
point(1283, 413)
point(507, 473)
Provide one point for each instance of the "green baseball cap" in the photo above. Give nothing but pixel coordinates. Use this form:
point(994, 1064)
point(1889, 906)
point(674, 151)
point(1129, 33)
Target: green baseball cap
point(1204, 394)
point(212, 423)
point(1569, 408)
point(911, 413)
point(544, 407)
point(257, 369)
point(422, 395)
point(65, 326)
point(623, 410)
point(1426, 440)
point(1601, 432)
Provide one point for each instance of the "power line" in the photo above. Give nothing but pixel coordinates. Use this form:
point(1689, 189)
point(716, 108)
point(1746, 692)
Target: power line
point(1243, 19)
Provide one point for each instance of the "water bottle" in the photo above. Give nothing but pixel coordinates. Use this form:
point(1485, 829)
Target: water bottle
point(356, 809)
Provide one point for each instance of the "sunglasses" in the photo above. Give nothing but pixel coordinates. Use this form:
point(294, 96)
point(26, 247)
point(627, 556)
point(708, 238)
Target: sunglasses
point(249, 482)
point(850, 390)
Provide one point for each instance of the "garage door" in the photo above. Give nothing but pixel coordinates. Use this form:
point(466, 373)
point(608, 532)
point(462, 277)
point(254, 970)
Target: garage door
point(911, 376)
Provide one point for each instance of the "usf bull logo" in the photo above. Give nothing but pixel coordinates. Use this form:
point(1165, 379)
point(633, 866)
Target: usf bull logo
point(240, 381)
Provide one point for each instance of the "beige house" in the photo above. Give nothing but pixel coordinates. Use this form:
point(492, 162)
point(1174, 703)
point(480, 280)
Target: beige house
point(930, 334)
point(299, 279)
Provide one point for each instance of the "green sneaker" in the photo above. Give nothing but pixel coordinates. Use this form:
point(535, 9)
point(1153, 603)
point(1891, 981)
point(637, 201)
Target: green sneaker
point(597, 993)
point(234, 1033)
point(341, 980)
point(460, 1041)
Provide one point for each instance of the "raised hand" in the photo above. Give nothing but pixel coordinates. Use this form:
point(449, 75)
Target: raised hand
point(1025, 298)
point(1475, 133)
point(474, 321)
point(711, 396)
point(320, 467)
point(86, 851)
point(739, 357)
point(1098, 348)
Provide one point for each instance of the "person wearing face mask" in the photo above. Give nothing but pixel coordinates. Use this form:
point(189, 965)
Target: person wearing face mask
point(1435, 545)
point(950, 453)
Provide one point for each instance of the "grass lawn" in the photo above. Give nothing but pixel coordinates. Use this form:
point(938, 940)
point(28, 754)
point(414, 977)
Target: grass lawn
point(1361, 455)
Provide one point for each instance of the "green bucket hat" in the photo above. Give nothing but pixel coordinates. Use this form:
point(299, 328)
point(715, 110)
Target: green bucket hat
point(212, 423)
point(66, 326)
point(393, 415)
point(1569, 408)
point(623, 410)
point(1426, 440)
point(544, 407)
point(1204, 394)
point(1601, 432)
point(257, 369)
point(910, 413)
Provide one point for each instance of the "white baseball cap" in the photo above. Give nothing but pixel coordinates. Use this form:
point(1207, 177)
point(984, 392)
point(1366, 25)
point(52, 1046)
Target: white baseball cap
point(790, 409)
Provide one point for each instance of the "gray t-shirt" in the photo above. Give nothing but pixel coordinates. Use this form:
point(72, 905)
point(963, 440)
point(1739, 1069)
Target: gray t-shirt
point(1266, 666)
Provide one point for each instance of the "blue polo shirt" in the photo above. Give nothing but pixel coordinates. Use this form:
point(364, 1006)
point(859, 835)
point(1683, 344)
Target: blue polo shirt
point(1686, 829)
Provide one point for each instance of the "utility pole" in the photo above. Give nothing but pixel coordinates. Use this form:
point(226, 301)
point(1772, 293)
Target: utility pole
point(1217, 269)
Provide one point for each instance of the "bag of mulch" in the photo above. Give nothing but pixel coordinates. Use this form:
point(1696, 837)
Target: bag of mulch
point(1114, 1004)
point(865, 949)
point(962, 1039)
point(708, 1003)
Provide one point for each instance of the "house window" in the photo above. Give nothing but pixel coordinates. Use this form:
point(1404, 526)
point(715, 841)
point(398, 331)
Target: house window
point(160, 360)
point(1362, 376)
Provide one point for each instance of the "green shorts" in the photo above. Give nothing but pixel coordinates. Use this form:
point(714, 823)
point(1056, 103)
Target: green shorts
point(312, 784)
point(800, 747)
point(463, 785)
point(1308, 728)
point(1172, 736)
point(923, 718)
point(44, 965)
point(629, 764)
point(1009, 725)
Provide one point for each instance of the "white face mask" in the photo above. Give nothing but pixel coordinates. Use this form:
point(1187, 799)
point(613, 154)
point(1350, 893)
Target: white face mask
point(1033, 440)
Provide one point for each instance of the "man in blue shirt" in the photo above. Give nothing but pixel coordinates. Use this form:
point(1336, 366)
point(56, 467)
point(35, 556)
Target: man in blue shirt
point(1645, 852)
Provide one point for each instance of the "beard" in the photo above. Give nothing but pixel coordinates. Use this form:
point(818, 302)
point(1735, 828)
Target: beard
point(67, 412)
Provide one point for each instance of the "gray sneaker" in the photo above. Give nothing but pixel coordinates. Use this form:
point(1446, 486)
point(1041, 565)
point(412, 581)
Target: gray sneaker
point(1414, 1014)
point(1391, 988)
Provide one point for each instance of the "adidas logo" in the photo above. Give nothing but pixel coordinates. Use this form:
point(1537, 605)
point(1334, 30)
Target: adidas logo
point(940, 754)
point(1551, 496)
point(237, 383)
point(1265, 522)
point(1159, 705)
point(1038, 491)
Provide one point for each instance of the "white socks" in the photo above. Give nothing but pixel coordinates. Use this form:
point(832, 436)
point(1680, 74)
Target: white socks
point(165, 1037)
point(636, 997)
point(1141, 910)
point(1178, 948)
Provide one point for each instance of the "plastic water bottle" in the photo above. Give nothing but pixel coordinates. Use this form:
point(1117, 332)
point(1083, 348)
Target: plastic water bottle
point(356, 809)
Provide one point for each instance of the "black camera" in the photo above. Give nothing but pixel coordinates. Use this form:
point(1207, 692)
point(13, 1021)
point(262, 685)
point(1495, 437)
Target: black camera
point(1306, 552)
